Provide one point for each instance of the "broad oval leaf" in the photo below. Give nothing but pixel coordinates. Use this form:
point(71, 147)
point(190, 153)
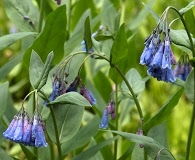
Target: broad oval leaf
point(86, 132)
point(38, 70)
point(52, 37)
point(71, 98)
point(35, 69)
point(135, 80)
point(9, 39)
point(189, 86)
point(150, 145)
point(68, 118)
point(120, 47)
point(164, 112)
point(180, 37)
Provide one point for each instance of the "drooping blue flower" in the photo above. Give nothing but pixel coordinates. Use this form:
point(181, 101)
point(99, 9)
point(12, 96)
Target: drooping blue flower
point(104, 120)
point(40, 138)
point(157, 60)
point(88, 95)
point(168, 75)
point(166, 61)
point(19, 130)
point(35, 125)
point(11, 128)
point(27, 136)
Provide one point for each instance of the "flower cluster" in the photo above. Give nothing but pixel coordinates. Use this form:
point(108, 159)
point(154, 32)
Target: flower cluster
point(158, 56)
point(60, 87)
point(26, 131)
point(183, 67)
point(110, 109)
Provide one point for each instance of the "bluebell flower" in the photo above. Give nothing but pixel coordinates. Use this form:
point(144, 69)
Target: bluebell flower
point(168, 75)
point(27, 136)
point(19, 130)
point(183, 67)
point(104, 120)
point(166, 61)
point(40, 138)
point(157, 60)
point(88, 95)
point(35, 125)
point(9, 133)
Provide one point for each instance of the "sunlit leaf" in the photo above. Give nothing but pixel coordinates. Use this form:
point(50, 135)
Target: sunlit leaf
point(150, 145)
point(9, 39)
point(68, 118)
point(71, 98)
point(93, 150)
point(189, 86)
point(164, 112)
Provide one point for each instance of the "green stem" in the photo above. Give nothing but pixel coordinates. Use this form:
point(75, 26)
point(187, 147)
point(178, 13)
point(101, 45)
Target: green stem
point(42, 6)
point(131, 90)
point(117, 118)
point(188, 147)
point(56, 134)
point(128, 85)
point(55, 127)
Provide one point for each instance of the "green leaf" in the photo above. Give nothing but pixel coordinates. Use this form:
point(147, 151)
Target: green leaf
point(9, 39)
point(135, 80)
point(105, 88)
point(4, 155)
point(164, 112)
point(93, 150)
point(152, 12)
point(35, 69)
point(119, 47)
point(52, 38)
point(87, 35)
point(38, 70)
point(187, 8)
point(150, 145)
point(68, 118)
point(179, 37)
point(47, 66)
point(3, 97)
point(189, 86)
point(159, 134)
point(82, 137)
point(16, 10)
point(138, 153)
point(71, 98)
